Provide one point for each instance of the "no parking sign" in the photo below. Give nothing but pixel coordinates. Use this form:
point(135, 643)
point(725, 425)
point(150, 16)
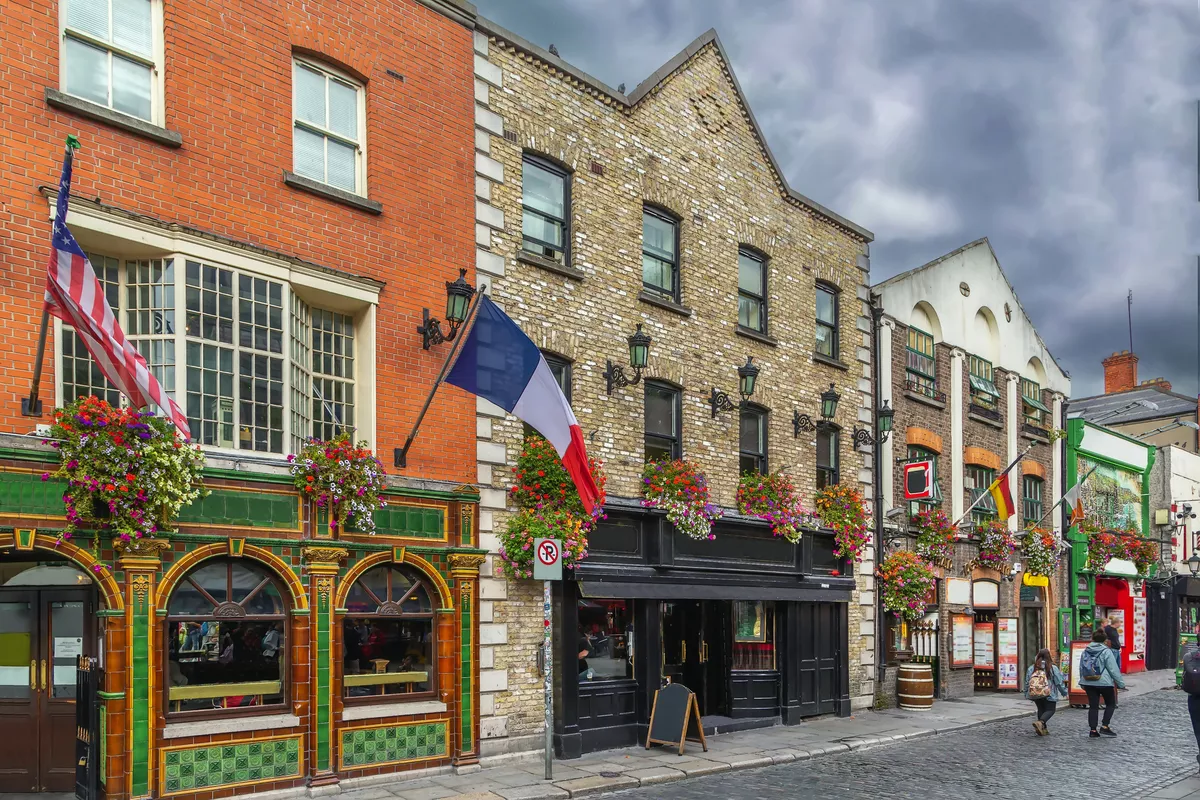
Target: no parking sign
point(547, 560)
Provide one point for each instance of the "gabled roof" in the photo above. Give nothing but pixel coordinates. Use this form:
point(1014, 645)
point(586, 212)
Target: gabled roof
point(1170, 405)
point(659, 77)
point(983, 240)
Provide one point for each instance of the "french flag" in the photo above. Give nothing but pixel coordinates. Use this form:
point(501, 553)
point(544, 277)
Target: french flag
point(499, 363)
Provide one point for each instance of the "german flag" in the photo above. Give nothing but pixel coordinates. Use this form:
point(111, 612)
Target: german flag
point(1002, 492)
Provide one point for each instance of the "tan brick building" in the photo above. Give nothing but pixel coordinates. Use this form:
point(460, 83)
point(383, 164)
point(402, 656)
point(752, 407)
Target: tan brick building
point(973, 386)
point(599, 212)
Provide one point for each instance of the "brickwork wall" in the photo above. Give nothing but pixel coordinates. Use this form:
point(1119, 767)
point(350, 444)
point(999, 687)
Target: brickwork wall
point(915, 410)
point(686, 147)
point(228, 90)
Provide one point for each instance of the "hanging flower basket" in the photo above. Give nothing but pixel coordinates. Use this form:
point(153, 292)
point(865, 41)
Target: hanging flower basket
point(841, 508)
point(772, 498)
point(680, 488)
point(1142, 552)
point(906, 580)
point(996, 545)
point(549, 508)
point(935, 536)
point(127, 471)
point(1041, 551)
point(345, 478)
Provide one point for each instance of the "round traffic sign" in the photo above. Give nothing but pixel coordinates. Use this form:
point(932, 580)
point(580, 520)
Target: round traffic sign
point(547, 552)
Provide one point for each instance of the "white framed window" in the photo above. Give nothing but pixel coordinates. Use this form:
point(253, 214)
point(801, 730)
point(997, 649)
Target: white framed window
point(258, 357)
point(112, 54)
point(329, 127)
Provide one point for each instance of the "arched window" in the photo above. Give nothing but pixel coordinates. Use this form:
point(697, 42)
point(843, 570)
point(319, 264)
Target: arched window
point(226, 639)
point(389, 648)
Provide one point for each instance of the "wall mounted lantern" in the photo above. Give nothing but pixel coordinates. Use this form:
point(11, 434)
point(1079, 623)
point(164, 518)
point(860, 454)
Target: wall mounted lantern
point(747, 378)
point(883, 417)
point(639, 355)
point(458, 301)
point(829, 404)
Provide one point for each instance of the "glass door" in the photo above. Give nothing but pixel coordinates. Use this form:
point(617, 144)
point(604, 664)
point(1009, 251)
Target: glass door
point(19, 695)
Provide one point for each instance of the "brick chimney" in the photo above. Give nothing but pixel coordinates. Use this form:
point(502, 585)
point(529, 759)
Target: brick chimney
point(1120, 372)
point(1161, 383)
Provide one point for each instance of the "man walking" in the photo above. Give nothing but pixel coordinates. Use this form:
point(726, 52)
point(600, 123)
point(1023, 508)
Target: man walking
point(1099, 672)
point(1191, 685)
point(1114, 638)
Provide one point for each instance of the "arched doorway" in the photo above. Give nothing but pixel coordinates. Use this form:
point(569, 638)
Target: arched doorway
point(47, 620)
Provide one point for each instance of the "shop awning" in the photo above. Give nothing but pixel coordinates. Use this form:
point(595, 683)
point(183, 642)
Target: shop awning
point(983, 385)
point(625, 590)
point(1035, 403)
point(1120, 566)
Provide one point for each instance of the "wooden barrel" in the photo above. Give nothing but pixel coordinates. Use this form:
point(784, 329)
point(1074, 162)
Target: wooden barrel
point(914, 685)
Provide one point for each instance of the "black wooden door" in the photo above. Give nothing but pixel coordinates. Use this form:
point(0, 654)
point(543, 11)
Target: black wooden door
point(1162, 624)
point(820, 654)
point(716, 651)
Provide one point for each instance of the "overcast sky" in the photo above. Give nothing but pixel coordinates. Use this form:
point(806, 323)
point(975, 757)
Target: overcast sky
point(1063, 130)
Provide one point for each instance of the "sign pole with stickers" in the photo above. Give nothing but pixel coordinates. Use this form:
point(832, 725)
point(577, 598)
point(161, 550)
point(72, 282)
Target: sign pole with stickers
point(547, 567)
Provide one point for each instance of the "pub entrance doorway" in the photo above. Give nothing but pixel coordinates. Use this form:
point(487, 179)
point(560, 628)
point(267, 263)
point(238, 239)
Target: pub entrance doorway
point(47, 620)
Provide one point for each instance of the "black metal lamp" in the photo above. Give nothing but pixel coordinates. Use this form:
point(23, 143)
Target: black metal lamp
point(1194, 564)
point(458, 303)
point(883, 419)
point(639, 356)
point(747, 379)
point(829, 404)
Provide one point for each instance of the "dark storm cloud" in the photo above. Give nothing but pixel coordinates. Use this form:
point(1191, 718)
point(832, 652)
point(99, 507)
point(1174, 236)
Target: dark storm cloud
point(1063, 131)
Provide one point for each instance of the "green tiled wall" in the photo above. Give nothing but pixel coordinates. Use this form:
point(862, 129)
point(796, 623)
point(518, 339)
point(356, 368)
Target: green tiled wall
point(324, 734)
point(243, 508)
point(468, 678)
point(26, 493)
point(139, 664)
point(228, 765)
point(410, 521)
point(396, 743)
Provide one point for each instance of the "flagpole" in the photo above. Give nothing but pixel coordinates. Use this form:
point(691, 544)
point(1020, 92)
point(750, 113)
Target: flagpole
point(31, 406)
point(400, 456)
point(1007, 470)
point(1064, 497)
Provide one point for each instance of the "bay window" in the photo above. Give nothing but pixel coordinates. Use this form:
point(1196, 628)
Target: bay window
point(255, 366)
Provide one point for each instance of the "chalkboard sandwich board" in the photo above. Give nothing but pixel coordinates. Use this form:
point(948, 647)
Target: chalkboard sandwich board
point(675, 718)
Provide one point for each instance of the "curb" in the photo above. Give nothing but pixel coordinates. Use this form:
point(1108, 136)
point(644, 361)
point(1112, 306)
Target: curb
point(584, 787)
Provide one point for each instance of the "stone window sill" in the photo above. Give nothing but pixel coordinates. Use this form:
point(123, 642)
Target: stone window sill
point(379, 710)
point(212, 727)
point(534, 260)
point(929, 401)
point(664, 303)
point(757, 336)
point(993, 423)
point(821, 358)
point(108, 116)
point(330, 193)
point(1033, 437)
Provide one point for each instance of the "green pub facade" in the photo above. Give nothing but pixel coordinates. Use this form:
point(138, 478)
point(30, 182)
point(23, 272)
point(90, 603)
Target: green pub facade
point(252, 648)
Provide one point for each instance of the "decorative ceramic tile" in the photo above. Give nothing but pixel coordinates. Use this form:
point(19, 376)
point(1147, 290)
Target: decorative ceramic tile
point(243, 508)
point(393, 744)
point(200, 768)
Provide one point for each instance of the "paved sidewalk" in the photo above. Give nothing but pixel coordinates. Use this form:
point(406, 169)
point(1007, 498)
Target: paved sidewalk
point(612, 770)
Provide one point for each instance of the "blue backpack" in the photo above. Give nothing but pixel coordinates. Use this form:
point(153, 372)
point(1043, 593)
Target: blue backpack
point(1090, 668)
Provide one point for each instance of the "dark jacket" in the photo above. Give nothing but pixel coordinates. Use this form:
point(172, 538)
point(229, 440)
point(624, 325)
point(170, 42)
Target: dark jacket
point(1114, 638)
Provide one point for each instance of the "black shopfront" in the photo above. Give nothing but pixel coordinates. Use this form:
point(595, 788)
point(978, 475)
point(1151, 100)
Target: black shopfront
point(754, 625)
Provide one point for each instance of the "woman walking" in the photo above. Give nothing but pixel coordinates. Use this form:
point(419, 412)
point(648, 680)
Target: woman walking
point(1045, 686)
point(1099, 672)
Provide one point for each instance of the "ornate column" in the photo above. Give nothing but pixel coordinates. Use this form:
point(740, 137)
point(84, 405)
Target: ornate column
point(141, 561)
point(322, 565)
point(464, 571)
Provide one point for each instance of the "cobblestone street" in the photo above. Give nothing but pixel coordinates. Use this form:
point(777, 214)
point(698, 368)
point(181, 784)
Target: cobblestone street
point(1001, 760)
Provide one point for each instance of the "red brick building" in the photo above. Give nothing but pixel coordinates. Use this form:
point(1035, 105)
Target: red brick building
point(271, 194)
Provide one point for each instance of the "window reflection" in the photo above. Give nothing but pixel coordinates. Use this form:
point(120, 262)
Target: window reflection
point(388, 637)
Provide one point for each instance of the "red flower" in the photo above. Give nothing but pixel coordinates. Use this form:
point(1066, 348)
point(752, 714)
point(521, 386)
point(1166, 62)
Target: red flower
point(129, 476)
point(108, 487)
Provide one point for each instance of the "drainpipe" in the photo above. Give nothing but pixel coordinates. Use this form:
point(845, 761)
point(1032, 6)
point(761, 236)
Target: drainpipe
point(876, 306)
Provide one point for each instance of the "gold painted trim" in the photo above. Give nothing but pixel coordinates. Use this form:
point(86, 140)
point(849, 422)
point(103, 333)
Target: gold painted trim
point(351, 729)
point(371, 679)
point(189, 560)
point(162, 764)
point(385, 557)
point(211, 690)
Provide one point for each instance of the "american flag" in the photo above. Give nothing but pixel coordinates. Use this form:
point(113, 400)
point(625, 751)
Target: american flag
point(75, 296)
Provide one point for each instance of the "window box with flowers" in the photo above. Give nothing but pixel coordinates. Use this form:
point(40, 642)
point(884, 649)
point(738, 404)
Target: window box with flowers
point(548, 507)
point(681, 490)
point(841, 508)
point(342, 478)
point(128, 472)
point(773, 499)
